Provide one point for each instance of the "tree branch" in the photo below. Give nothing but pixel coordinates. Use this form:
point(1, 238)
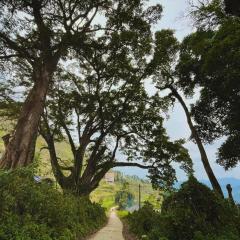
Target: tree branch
point(115, 149)
point(52, 152)
point(9, 56)
point(42, 28)
point(14, 46)
point(130, 164)
point(70, 139)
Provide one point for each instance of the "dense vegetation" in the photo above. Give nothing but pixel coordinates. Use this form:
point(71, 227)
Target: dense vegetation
point(209, 60)
point(36, 210)
point(105, 194)
point(193, 212)
point(36, 35)
point(124, 198)
point(87, 90)
point(75, 99)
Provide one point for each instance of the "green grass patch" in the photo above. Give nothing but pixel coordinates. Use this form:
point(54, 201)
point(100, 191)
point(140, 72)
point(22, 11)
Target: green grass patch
point(122, 213)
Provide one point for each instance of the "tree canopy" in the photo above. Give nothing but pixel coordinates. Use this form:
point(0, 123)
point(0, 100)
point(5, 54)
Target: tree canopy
point(210, 60)
point(37, 36)
point(106, 110)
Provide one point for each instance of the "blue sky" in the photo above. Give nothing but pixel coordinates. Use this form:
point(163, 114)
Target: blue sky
point(173, 17)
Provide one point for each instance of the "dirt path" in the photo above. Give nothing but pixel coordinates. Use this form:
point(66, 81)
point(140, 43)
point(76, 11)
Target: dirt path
point(112, 231)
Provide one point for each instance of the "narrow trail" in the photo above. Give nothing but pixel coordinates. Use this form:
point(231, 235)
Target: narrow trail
point(112, 231)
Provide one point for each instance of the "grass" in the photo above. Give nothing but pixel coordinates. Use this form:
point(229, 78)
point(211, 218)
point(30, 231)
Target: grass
point(122, 213)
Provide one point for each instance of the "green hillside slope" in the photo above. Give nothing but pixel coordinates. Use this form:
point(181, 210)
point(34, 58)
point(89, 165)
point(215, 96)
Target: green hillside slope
point(105, 193)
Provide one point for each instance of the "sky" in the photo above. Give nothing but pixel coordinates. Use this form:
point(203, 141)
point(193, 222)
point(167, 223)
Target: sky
point(174, 17)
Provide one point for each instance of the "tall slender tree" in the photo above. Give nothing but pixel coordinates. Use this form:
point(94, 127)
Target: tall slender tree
point(165, 69)
point(210, 60)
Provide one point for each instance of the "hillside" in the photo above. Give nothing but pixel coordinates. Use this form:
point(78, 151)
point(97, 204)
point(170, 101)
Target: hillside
point(105, 193)
point(42, 155)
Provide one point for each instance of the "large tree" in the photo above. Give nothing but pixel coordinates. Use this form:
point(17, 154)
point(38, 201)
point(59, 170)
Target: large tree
point(35, 35)
point(210, 60)
point(166, 70)
point(106, 115)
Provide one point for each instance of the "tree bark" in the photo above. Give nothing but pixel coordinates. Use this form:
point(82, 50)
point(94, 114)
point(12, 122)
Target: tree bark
point(5, 139)
point(230, 196)
point(214, 182)
point(20, 149)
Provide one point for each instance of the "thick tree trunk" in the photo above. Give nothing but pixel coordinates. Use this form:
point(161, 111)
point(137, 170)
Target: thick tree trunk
point(20, 149)
point(214, 182)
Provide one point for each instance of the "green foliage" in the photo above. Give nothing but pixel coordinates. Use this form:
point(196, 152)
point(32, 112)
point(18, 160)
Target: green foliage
point(124, 198)
point(107, 107)
point(193, 212)
point(104, 97)
point(197, 208)
point(105, 193)
point(141, 222)
point(208, 14)
point(49, 34)
point(31, 210)
point(122, 214)
point(209, 58)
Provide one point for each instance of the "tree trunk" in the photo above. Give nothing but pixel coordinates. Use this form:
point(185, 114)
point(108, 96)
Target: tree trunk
point(214, 182)
point(5, 139)
point(20, 149)
point(230, 196)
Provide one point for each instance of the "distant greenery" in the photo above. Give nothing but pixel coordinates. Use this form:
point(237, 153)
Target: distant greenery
point(193, 213)
point(124, 198)
point(36, 211)
point(122, 213)
point(105, 193)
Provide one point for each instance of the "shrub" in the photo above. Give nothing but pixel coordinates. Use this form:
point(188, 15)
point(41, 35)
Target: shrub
point(141, 222)
point(31, 210)
point(193, 213)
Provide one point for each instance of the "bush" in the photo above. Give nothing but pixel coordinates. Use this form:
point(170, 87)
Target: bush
point(193, 213)
point(142, 221)
point(31, 210)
